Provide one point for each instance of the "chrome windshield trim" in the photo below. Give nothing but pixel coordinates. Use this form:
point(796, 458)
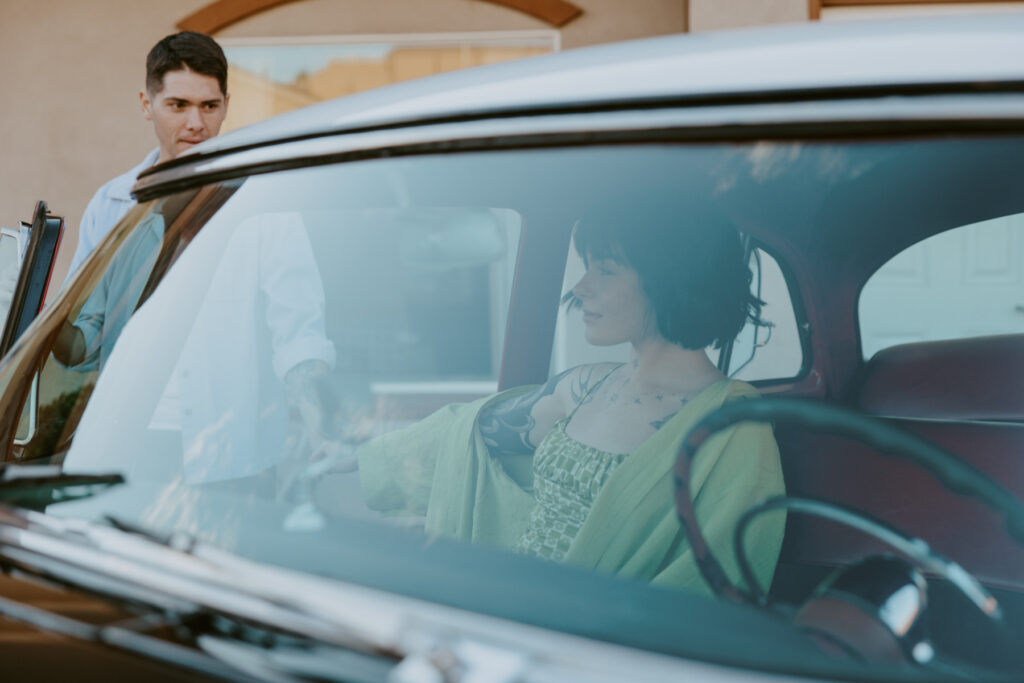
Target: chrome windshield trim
point(177, 576)
point(901, 113)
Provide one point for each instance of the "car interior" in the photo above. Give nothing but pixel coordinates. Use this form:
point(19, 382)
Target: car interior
point(958, 393)
point(826, 245)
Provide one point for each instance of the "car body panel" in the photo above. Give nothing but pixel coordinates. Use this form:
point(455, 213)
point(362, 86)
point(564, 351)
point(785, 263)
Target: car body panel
point(967, 51)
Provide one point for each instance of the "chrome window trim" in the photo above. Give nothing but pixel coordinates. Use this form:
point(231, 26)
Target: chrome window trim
point(184, 574)
point(874, 116)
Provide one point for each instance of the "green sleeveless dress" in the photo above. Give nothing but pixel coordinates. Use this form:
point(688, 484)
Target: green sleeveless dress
point(567, 476)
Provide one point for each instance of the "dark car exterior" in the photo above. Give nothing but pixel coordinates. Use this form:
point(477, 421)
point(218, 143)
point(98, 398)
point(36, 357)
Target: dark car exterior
point(413, 245)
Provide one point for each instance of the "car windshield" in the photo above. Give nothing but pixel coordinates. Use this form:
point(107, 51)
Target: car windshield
point(426, 374)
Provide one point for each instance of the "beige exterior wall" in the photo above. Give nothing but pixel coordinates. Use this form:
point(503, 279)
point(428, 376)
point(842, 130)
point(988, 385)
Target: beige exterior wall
point(712, 15)
point(71, 72)
point(602, 20)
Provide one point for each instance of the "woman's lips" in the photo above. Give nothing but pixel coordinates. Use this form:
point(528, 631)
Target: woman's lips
point(590, 316)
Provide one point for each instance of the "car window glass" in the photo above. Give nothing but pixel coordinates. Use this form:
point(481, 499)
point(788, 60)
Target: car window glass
point(399, 310)
point(965, 282)
point(434, 287)
point(10, 265)
point(290, 321)
point(60, 385)
point(357, 298)
point(767, 351)
point(771, 350)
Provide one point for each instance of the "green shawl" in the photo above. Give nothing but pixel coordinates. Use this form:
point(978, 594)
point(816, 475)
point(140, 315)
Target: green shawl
point(440, 467)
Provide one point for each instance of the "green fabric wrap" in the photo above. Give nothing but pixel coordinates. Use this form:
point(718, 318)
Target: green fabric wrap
point(440, 467)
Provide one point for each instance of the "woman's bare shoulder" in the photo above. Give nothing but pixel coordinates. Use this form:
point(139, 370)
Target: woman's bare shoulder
point(575, 384)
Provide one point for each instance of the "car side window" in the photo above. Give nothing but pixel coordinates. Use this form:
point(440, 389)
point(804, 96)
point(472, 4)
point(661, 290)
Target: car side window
point(770, 351)
point(63, 376)
point(965, 282)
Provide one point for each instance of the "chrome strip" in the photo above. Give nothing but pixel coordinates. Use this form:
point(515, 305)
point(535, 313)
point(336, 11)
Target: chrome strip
point(33, 418)
point(186, 574)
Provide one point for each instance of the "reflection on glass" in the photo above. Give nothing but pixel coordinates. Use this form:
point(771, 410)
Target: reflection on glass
point(269, 78)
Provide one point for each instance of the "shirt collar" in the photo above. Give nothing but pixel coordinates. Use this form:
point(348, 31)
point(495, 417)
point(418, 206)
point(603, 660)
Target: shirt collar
point(121, 187)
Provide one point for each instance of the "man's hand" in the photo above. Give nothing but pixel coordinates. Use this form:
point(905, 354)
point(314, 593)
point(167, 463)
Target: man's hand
point(305, 394)
point(311, 397)
point(334, 456)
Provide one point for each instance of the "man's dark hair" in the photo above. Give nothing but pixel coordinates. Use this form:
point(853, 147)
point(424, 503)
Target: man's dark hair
point(689, 259)
point(186, 50)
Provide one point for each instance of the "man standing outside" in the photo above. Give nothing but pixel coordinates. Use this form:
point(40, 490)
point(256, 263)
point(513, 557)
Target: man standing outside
point(186, 99)
point(226, 436)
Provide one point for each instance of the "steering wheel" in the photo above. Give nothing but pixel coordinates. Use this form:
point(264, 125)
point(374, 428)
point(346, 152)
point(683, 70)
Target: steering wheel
point(955, 474)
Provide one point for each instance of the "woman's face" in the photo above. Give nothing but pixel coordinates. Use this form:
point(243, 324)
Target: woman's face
point(615, 309)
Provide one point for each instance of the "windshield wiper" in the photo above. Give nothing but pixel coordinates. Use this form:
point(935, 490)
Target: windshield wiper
point(36, 486)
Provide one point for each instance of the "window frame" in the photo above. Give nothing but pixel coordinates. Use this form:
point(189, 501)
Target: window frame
point(816, 6)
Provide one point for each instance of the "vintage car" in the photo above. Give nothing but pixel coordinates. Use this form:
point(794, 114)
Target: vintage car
point(226, 439)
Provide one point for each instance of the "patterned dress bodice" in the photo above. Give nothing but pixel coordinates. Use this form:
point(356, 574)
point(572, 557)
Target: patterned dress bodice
point(567, 476)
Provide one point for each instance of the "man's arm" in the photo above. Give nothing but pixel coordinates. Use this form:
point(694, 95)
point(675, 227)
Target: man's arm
point(295, 306)
point(304, 388)
point(69, 347)
point(77, 343)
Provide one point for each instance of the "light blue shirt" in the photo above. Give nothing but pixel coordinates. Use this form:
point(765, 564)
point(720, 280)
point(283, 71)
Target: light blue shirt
point(112, 303)
point(108, 206)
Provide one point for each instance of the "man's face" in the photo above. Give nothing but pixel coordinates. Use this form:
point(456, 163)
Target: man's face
point(188, 109)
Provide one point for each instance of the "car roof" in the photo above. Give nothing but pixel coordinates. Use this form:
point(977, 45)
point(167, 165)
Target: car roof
point(806, 57)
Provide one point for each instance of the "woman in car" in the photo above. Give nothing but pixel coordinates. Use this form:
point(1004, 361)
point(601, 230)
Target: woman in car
point(580, 469)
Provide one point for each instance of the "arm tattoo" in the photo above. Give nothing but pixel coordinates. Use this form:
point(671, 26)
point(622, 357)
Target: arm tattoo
point(506, 425)
point(581, 385)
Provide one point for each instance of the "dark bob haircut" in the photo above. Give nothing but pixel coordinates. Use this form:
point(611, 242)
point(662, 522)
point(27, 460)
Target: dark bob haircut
point(186, 50)
point(689, 260)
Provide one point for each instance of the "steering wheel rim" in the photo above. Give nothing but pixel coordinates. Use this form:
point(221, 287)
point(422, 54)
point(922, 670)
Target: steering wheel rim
point(955, 474)
point(916, 549)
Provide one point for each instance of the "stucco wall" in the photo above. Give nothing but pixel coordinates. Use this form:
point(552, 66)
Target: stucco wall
point(71, 71)
point(601, 21)
point(709, 15)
